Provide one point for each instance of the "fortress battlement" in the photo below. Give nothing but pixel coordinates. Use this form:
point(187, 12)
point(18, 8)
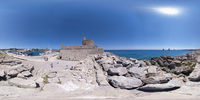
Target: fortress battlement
point(79, 52)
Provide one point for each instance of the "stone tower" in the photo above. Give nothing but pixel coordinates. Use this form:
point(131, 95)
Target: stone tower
point(88, 42)
point(80, 52)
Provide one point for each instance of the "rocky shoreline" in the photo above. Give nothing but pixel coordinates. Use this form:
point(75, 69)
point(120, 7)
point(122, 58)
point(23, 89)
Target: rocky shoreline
point(160, 74)
point(118, 76)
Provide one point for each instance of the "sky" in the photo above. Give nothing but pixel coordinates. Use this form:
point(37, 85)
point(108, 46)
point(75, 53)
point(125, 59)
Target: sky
point(112, 24)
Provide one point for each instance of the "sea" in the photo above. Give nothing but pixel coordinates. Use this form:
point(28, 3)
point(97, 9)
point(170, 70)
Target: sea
point(139, 54)
point(147, 54)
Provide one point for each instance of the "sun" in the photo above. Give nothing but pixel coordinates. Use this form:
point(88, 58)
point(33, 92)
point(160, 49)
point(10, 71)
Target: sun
point(168, 10)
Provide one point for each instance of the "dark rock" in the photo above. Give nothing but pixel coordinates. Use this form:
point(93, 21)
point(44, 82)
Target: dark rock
point(160, 62)
point(177, 63)
point(171, 65)
point(165, 63)
point(100, 62)
point(183, 69)
point(154, 63)
point(169, 61)
point(119, 62)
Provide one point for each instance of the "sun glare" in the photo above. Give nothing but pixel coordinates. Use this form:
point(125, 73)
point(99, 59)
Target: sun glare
point(169, 11)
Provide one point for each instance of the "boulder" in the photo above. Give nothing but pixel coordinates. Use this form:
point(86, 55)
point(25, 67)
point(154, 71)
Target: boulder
point(22, 83)
point(142, 64)
point(137, 72)
point(154, 63)
point(177, 63)
point(108, 60)
point(133, 60)
point(161, 78)
point(106, 67)
point(2, 73)
point(124, 82)
point(152, 70)
point(20, 75)
point(29, 67)
point(125, 63)
point(165, 63)
point(171, 85)
point(147, 63)
point(12, 73)
point(21, 68)
point(160, 62)
point(119, 62)
point(171, 65)
point(26, 74)
point(18, 62)
point(183, 69)
point(118, 65)
point(117, 71)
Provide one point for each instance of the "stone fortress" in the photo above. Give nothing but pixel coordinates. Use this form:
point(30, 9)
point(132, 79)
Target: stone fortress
point(80, 52)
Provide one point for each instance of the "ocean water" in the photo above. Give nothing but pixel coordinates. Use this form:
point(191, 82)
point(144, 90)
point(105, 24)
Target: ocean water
point(147, 54)
point(36, 53)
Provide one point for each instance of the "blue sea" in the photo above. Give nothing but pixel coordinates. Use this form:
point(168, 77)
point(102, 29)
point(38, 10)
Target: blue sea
point(147, 54)
point(36, 53)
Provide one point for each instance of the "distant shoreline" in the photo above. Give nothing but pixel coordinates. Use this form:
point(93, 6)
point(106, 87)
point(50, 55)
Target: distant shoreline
point(155, 49)
point(148, 54)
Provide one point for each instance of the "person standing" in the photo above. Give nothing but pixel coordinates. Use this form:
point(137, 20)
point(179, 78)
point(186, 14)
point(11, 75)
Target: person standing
point(51, 65)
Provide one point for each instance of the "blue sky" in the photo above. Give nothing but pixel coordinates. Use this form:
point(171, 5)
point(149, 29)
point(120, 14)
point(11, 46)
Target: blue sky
point(112, 24)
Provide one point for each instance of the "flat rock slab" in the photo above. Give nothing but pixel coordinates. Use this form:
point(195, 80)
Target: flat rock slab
point(117, 71)
point(171, 85)
point(124, 82)
point(101, 78)
point(22, 83)
point(195, 75)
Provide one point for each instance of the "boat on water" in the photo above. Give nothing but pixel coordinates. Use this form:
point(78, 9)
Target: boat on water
point(46, 52)
point(26, 52)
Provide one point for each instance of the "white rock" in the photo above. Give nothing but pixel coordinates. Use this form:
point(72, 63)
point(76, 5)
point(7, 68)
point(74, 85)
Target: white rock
point(22, 83)
point(26, 73)
point(13, 73)
point(2, 73)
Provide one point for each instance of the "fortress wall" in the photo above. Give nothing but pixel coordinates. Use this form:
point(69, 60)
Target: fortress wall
point(79, 54)
point(78, 47)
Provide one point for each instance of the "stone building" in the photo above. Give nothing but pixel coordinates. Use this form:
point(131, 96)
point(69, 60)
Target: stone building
point(80, 52)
